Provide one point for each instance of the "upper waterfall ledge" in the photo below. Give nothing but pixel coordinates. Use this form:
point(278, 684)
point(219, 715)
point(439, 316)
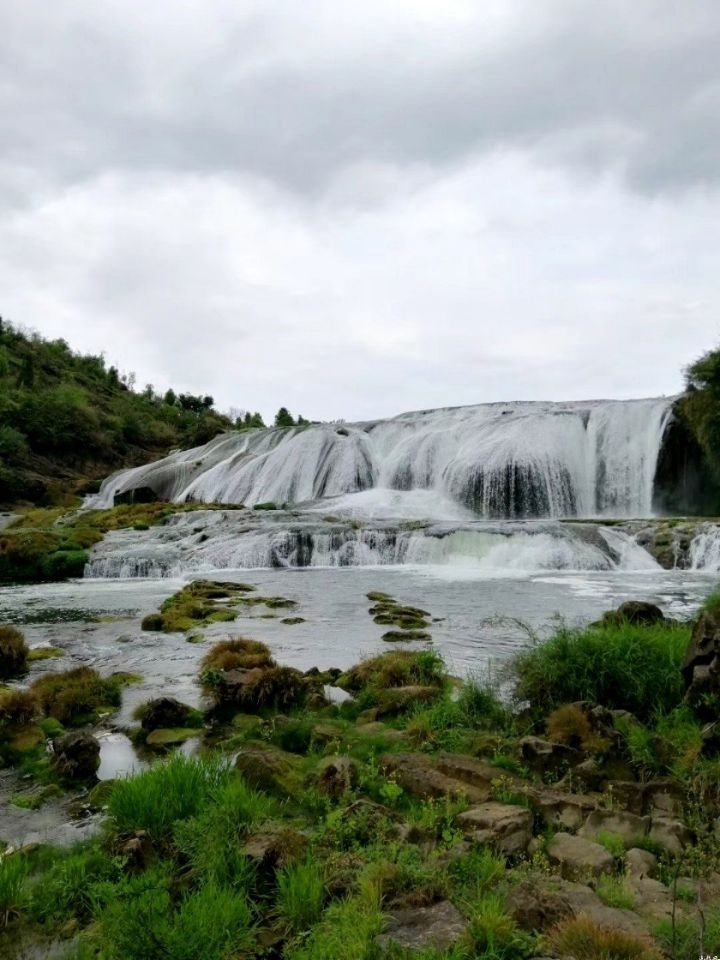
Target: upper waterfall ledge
point(500, 460)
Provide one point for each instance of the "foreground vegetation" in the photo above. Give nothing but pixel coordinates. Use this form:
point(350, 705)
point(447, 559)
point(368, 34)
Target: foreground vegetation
point(307, 829)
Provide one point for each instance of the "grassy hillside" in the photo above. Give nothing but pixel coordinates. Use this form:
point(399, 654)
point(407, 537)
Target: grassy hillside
point(67, 419)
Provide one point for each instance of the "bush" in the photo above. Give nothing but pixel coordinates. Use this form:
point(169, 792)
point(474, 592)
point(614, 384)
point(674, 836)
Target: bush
point(74, 696)
point(13, 652)
point(237, 653)
point(625, 667)
point(584, 939)
point(17, 706)
point(398, 668)
point(173, 790)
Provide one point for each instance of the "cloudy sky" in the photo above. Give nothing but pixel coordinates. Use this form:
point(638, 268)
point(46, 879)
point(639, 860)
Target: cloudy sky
point(355, 209)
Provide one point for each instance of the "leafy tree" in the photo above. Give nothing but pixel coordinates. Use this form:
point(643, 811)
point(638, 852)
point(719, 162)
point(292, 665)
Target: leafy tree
point(283, 418)
point(701, 405)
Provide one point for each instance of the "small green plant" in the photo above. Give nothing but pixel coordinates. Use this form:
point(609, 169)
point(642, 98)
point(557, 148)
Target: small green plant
point(614, 892)
point(612, 842)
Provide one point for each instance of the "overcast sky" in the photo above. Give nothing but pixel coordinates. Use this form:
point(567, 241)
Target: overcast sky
point(355, 209)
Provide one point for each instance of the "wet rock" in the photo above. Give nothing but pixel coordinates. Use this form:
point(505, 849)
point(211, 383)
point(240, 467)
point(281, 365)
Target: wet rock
point(579, 858)
point(163, 738)
point(336, 776)
point(640, 863)
point(266, 768)
point(637, 612)
point(76, 755)
point(274, 847)
point(138, 851)
point(507, 827)
point(701, 667)
point(438, 926)
point(672, 835)
point(536, 909)
point(165, 713)
point(628, 826)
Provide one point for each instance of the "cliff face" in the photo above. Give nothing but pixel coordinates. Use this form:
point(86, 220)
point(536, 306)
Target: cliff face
point(685, 484)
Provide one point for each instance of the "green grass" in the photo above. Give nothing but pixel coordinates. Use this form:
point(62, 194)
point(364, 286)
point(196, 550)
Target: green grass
point(347, 929)
point(495, 934)
point(67, 889)
point(627, 667)
point(300, 895)
point(684, 943)
point(211, 840)
point(615, 892)
point(142, 922)
point(13, 652)
point(170, 791)
point(13, 887)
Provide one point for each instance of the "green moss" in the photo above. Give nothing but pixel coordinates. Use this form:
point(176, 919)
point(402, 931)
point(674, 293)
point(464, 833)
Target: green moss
point(405, 636)
point(44, 653)
point(169, 737)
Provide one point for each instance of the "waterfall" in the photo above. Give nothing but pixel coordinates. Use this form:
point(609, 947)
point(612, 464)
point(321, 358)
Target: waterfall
point(507, 460)
point(704, 552)
point(211, 540)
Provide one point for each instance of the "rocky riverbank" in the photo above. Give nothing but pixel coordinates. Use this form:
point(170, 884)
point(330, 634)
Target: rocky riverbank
point(387, 810)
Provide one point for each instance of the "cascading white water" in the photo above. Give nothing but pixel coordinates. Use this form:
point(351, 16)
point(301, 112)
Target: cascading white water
point(206, 540)
point(704, 552)
point(498, 460)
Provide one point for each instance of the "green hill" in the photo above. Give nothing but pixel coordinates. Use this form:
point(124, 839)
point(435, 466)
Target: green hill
point(67, 420)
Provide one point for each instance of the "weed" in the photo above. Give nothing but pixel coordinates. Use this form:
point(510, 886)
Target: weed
point(584, 939)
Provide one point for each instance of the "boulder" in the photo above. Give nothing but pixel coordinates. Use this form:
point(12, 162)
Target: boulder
point(638, 612)
point(76, 755)
point(569, 811)
point(672, 835)
point(701, 667)
point(267, 768)
point(274, 847)
point(628, 826)
point(626, 794)
point(665, 798)
point(416, 774)
point(543, 756)
point(165, 713)
point(420, 928)
point(640, 863)
point(505, 826)
point(536, 909)
point(579, 858)
point(336, 776)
